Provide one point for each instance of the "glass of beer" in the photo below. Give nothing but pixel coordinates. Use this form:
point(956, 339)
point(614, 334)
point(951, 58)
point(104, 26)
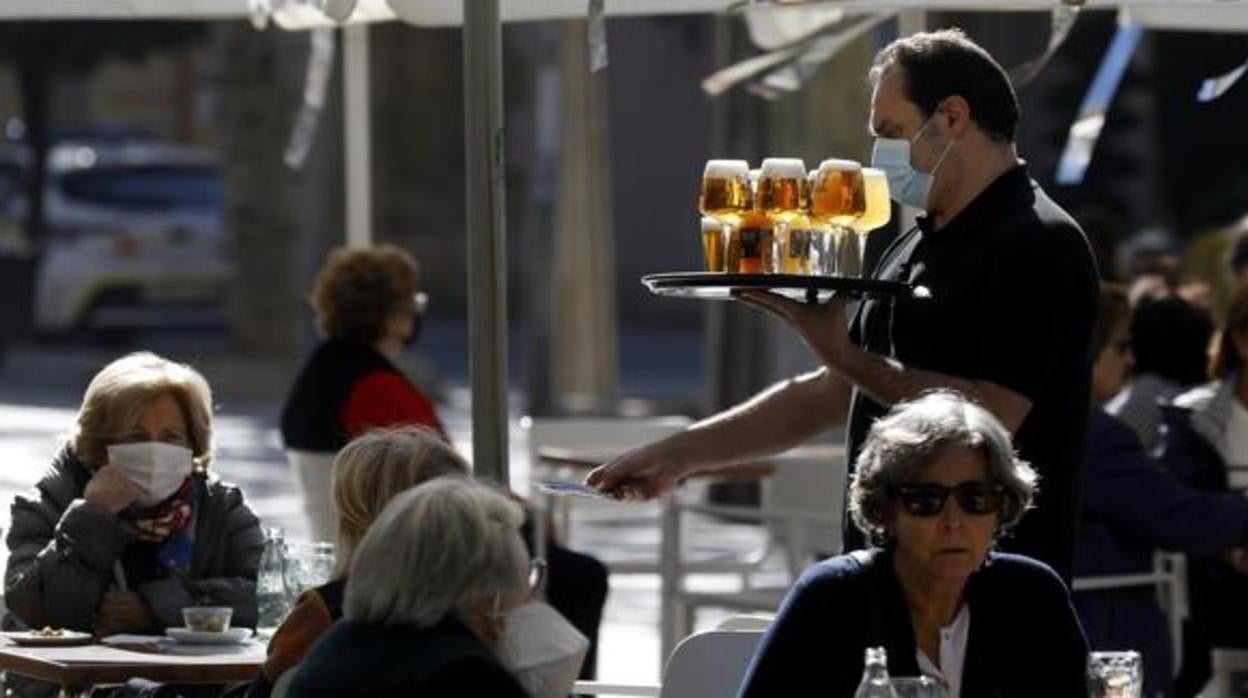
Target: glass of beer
point(751, 244)
point(784, 196)
point(1115, 675)
point(713, 243)
point(725, 196)
point(837, 199)
point(879, 209)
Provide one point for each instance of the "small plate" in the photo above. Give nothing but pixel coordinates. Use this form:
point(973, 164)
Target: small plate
point(233, 636)
point(33, 638)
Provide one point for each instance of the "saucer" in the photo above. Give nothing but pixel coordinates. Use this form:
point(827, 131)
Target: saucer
point(233, 636)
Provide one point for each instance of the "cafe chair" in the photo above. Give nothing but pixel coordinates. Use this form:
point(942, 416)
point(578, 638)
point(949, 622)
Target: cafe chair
point(710, 664)
point(1169, 575)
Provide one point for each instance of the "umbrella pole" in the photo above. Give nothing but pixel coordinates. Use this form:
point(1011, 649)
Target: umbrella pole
point(487, 251)
point(357, 133)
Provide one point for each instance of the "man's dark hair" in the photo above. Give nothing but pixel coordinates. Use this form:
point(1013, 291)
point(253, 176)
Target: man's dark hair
point(937, 65)
point(1170, 338)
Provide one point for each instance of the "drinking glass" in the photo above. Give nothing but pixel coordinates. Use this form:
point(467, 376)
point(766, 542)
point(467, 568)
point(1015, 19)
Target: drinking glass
point(917, 687)
point(1115, 675)
point(308, 565)
point(725, 195)
point(837, 199)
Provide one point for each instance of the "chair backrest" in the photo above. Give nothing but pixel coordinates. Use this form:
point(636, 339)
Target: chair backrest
point(1169, 576)
point(710, 664)
point(599, 434)
point(751, 621)
point(803, 501)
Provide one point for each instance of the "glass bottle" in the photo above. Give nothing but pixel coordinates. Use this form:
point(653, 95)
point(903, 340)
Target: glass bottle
point(875, 682)
point(271, 594)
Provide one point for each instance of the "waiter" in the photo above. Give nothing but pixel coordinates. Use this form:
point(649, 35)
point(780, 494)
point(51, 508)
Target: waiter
point(1008, 320)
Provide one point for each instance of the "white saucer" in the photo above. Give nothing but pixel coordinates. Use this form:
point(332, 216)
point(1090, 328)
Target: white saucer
point(233, 636)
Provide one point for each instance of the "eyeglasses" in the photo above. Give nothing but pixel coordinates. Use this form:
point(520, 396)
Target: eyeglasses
point(975, 498)
point(537, 576)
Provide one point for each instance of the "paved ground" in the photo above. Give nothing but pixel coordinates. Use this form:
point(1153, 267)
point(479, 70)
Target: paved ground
point(39, 392)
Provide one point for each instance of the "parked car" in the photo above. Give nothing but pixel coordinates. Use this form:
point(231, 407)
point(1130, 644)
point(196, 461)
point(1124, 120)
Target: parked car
point(134, 238)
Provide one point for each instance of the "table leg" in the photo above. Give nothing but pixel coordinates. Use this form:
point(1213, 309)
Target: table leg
point(669, 578)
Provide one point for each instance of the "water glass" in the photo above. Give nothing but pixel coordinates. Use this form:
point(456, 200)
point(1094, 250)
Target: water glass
point(917, 687)
point(1115, 675)
point(308, 565)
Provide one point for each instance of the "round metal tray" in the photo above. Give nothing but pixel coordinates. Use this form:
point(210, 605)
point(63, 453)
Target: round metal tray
point(716, 285)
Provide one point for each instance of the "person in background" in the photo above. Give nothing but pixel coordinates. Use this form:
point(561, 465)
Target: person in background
point(1132, 507)
point(1170, 346)
point(937, 484)
point(1205, 442)
point(370, 471)
point(369, 305)
point(429, 589)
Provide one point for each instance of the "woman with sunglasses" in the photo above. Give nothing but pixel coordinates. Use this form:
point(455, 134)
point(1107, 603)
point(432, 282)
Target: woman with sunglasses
point(431, 586)
point(936, 484)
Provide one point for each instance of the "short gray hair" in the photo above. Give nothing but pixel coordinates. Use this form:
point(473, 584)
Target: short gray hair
point(904, 441)
point(437, 549)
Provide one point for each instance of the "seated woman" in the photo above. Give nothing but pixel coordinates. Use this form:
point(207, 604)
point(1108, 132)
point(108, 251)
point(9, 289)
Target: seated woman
point(936, 483)
point(428, 591)
point(128, 526)
point(368, 473)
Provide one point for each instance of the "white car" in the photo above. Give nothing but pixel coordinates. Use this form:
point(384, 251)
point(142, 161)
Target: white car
point(134, 239)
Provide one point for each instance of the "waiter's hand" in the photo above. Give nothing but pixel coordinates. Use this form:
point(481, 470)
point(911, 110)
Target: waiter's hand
point(121, 612)
point(640, 474)
point(823, 326)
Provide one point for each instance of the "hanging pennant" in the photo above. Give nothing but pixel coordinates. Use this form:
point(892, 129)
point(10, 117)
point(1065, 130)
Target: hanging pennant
point(597, 35)
point(1215, 87)
point(1086, 130)
point(316, 83)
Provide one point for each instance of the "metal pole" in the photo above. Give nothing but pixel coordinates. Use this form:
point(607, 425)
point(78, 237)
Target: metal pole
point(357, 135)
point(487, 252)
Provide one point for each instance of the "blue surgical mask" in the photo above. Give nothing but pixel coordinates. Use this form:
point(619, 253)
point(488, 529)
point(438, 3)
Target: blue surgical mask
point(906, 185)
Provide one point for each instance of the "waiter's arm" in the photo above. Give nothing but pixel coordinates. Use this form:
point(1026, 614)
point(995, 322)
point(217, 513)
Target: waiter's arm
point(824, 328)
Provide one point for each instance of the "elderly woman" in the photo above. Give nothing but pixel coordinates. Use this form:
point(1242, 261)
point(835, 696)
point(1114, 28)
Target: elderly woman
point(430, 586)
point(937, 482)
point(368, 473)
point(128, 526)
point(369, 305)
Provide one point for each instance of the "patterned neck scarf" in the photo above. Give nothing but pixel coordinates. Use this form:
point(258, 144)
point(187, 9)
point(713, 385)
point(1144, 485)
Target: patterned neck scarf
point(174, 554)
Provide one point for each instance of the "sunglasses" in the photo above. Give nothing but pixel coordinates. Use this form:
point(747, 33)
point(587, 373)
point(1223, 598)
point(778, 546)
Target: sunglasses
point(975, 498)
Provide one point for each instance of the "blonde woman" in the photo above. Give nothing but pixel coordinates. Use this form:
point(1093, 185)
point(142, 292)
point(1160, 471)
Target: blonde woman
point(431, 587)
point(129, 526)
point(368, 473)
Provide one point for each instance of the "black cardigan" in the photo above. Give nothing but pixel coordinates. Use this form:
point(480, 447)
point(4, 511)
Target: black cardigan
point(1024, 641)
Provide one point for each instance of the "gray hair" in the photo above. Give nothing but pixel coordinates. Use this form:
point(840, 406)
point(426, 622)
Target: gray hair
point(439, 548)
point(909, 437)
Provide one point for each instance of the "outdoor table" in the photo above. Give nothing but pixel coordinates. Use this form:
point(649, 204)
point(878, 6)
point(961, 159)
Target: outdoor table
point(77, 669)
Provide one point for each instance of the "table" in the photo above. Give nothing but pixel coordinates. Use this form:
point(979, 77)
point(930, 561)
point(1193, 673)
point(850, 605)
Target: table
point(77, 669)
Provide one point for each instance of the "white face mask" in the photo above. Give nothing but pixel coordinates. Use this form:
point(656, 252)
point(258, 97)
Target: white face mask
point(542, 649)
point(906, 185)
point(156, 468)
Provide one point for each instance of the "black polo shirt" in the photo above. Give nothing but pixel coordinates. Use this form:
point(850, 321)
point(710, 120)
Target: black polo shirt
point(1013, 291)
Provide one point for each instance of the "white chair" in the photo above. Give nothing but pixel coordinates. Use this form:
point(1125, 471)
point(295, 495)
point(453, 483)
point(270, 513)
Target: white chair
point(706, 665)
point(1169, 575)
point(314, 472)
point(801, 508)
point(756, 622)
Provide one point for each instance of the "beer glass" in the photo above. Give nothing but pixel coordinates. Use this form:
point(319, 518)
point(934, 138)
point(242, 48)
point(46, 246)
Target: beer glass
point(784, 196)
point(725, 195)
point(837, 199)
point(1115, 675)
point(751, 245)
point(713, 242)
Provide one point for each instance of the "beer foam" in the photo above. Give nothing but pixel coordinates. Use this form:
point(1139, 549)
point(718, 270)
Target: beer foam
point(784, 167)
point(726, 169)
point(834, 164)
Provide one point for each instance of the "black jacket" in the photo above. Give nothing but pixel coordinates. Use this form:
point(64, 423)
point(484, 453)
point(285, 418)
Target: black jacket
point(364, 660)
point(1024, 640)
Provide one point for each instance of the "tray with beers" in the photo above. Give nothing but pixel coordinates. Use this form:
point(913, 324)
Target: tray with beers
point(781, 228)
